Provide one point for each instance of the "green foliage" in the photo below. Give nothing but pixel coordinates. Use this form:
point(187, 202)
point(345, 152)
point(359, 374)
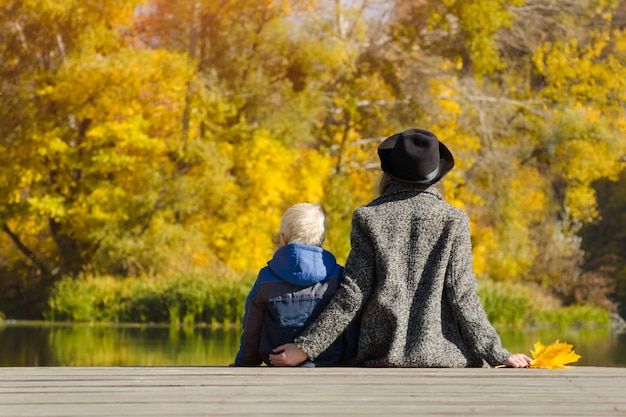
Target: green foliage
point(144, 302)
point(86, 299)
point(182, 299)
point(574, 316)
point(516, 306)
point(504, 307)
point(190, 300)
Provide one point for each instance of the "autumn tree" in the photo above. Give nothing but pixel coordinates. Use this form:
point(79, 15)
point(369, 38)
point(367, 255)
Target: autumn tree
point(94, 161)
point(302, 85)
point(162, 137)
point(36, 39)
point(543, 129)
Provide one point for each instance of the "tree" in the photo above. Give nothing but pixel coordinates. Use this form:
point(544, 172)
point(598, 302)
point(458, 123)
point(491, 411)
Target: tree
point(92, 130)
point(169, 137)
point(541, 129)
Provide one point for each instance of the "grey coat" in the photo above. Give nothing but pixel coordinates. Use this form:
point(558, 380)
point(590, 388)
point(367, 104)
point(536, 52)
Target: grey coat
point(410, 275)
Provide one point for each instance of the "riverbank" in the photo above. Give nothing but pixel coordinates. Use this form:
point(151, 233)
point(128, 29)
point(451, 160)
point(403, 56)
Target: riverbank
point(264, 391)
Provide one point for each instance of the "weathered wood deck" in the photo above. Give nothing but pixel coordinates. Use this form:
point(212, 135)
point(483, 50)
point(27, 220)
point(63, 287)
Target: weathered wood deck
point(223, 391)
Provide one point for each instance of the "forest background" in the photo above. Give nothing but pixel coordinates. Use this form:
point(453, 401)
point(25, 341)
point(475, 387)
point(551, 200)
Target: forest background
point(148, 149)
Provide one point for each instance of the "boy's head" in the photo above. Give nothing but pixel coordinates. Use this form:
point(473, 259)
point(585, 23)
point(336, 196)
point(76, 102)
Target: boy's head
point(304, 223)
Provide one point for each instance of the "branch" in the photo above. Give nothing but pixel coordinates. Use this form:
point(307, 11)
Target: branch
point(25, 250)
point(497, 100)
point(20, 35)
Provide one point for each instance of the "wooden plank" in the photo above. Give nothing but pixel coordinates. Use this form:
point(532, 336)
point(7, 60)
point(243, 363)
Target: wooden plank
point(264, 391)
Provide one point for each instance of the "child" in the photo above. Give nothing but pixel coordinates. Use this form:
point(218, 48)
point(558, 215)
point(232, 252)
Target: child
point(291, 290)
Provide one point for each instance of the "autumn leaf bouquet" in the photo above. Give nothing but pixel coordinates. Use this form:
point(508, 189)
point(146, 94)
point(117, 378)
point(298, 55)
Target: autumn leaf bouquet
point(554, 356)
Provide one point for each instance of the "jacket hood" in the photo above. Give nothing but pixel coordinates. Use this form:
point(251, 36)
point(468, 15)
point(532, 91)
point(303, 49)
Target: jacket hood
point(303, 265)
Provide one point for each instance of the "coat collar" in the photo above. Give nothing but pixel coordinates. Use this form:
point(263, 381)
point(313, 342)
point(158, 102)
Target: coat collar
point(410, 190)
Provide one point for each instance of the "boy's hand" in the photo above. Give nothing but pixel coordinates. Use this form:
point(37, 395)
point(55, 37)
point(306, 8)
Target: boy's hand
point(287, 355)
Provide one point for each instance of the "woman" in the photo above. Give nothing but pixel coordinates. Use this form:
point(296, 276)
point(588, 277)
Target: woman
point(409, 274)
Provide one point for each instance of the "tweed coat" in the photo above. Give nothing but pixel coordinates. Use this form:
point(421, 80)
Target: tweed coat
point(409, 275)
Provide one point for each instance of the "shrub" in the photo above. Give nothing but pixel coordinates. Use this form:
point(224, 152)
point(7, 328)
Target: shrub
point(504, 307)
point(188, 299)
point(86, 299)
point(143, 302)
point(227, 301)
point(574, 316)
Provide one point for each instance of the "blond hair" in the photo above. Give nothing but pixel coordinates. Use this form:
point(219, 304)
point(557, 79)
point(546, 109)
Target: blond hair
point(384, 181)
point(304, 223)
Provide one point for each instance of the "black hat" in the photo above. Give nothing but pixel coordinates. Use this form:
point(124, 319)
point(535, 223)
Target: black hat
point(415, 156)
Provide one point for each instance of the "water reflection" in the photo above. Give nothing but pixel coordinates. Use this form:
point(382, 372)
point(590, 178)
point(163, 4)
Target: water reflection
point(84, 345)
point(43, 344)
point(598, 346)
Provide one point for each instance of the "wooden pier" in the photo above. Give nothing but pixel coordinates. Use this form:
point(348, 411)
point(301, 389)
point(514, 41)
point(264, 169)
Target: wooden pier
point(264, 391)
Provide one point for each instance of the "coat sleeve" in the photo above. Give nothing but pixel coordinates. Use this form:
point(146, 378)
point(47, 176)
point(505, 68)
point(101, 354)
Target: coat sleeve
point(349, 298)
point(252, 323)
point(461, 286)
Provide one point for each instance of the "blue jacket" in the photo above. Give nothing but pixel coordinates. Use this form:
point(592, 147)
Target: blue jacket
point(289, 292)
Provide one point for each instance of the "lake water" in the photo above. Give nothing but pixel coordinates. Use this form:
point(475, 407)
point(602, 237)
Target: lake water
point(37, 344)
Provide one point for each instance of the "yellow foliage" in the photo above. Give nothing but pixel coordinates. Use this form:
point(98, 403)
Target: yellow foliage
point(504, 246)
point(579, 70)
point(269, 178)
point(48, 205)
point(485, 244)
point(163, 151)
point(581, 203)
point(478, 21)
point(554, 356)
point(620, 41)
point(584, 152)
point(447, 126)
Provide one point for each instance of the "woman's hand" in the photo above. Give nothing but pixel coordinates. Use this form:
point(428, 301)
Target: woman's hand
point(287, 355)
point(517, 360)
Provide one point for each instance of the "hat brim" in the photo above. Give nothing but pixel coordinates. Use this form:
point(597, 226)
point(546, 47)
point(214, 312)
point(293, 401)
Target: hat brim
point(446, 162)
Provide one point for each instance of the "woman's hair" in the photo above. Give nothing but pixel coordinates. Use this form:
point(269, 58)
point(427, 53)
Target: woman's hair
point(304, 223)
point(383, 182)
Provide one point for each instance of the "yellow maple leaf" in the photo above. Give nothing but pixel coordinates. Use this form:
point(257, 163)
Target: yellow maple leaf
point(553, 356)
